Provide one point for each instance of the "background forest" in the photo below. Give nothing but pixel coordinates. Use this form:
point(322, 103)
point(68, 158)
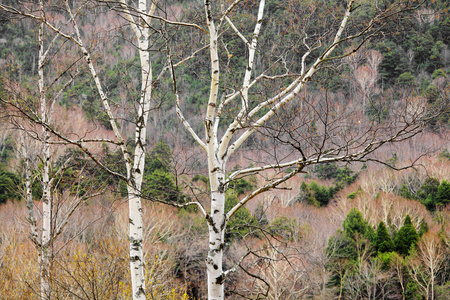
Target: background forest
point(375, 229)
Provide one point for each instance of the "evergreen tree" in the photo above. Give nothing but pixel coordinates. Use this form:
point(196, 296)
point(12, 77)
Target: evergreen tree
point(443, 193)
point(355, 223)
point(407, 237)
point(383, 241)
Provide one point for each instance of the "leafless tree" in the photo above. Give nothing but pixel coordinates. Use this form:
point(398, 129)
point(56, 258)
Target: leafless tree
point(424, 266)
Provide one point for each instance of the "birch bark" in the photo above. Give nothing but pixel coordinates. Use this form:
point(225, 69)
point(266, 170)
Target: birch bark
point(134, 164)
point(45, 249)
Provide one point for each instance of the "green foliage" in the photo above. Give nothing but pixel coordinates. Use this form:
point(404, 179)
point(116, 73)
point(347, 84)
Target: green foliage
point(393, 160)
point(21, 47)
point(343, 175)
point(159, 158)
point(428, 188)
point(260, 215)
point(385, 258)
point(354, 224)
point(353, 195)
point(394, 61)
point(80, 173)
point(383, 241)
point(287, 228)
point(376, 109)
point(114, 162)
point(342, 246)
point(158, 181)
point(431, 193)
point(9, 185)
point(404, 192)
point(343, 252)
point(242, 185)
point(406, 79)
point(199, 177)
point(431, 93)
point(406, 238)
point(443, 291)
point(160, 185)
point(438, 73)
point(443, 193)
point(317, 195)
point(326, 171)
point(412, 291)
point(242, 223)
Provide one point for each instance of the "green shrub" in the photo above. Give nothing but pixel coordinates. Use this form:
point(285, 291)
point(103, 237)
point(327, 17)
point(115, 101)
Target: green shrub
point(412, 291)
point(353, 195)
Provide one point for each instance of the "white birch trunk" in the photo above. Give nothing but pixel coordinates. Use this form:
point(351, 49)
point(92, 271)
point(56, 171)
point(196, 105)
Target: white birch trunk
point(44, 285)
point(134, 165)
point(135, 174)
point(216, 228)
point(216, 169)
point(45, 249)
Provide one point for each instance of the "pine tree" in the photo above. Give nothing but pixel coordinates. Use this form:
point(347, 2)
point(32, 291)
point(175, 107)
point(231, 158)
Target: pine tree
point(443, 193)
point(383, 241)
point(407, 237)
point(354, 223)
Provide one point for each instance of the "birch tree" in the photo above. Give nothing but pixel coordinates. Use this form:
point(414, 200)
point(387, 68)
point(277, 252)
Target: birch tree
point(46, 222)
point(139, 16)
point(316, 131)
